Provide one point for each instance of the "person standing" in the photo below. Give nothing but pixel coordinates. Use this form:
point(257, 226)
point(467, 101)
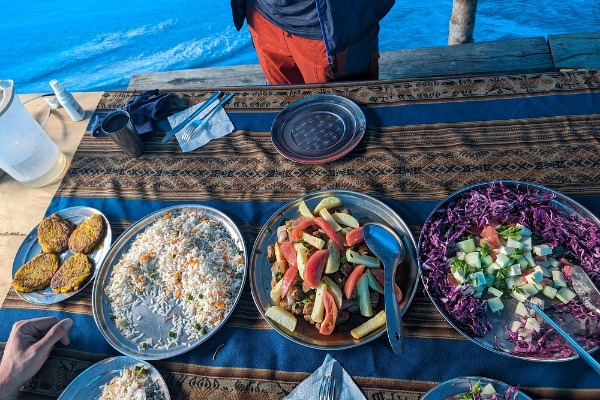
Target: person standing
point(309, 41)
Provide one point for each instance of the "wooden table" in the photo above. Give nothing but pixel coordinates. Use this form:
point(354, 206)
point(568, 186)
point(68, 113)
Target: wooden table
point(21, 207)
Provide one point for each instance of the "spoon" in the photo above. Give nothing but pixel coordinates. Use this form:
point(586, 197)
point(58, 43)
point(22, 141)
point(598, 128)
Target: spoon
point(388, 247)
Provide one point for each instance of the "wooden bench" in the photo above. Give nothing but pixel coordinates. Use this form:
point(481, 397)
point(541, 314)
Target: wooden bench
point(575, 50)
point(501, 56)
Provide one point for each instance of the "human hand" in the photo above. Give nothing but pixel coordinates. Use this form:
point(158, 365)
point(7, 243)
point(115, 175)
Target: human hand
point(28, 347)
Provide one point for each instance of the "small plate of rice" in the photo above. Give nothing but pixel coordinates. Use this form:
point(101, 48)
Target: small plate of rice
point(118, 378)
point(170, 282)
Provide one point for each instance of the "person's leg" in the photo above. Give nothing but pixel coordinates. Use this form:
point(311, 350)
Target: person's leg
point(275, 59)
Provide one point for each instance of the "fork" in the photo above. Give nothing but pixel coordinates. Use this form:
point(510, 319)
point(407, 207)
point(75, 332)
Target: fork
point(187, 134)
point(327, 388)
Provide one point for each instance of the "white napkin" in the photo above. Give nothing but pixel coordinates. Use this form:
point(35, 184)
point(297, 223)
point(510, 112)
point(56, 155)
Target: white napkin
point(308, 389)
point(218, 125)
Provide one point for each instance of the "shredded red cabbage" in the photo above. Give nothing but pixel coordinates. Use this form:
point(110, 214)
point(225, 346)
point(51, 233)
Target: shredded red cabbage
point(494, 204)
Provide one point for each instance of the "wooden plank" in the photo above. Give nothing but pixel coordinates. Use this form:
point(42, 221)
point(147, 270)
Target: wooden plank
point(502, 56)
point(575, 50)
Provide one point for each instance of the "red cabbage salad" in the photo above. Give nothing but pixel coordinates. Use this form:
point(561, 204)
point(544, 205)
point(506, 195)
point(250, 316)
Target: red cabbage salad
point(509, 242)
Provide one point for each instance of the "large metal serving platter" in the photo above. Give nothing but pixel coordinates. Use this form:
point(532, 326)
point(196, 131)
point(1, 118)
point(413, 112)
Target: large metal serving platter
point(362, 206)
point(456, 386)
point(494, 339)
point(152, 325)
point(87, 385)
point(31, 247)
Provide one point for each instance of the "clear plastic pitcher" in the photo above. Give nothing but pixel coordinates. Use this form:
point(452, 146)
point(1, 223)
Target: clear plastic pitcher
point(26, 152)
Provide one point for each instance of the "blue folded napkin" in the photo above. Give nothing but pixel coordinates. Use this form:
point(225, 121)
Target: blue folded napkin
point(146, 109)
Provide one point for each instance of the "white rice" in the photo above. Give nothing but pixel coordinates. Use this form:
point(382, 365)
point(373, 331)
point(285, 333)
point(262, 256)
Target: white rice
point(185, 259)
point(133, 383)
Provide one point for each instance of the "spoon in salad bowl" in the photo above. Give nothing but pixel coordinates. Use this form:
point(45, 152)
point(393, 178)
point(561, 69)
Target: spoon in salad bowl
point(388, 247)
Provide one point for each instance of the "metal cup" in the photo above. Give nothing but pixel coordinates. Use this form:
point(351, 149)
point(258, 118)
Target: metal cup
point(119, 127)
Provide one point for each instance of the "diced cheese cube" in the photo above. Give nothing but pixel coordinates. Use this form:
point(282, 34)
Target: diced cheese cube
point(565, 295)
point(527, 243)
point(502, 260)
point(521, 310)
point(495, 304)
point(535, 276)
point(543, 270)
point(559, 279)
point(494, 292)
point(515, 270)
point(529, 289)
point(525, 231)
point(516, 325)
point(514, 244)
point(519, 296)
point(549, 291)
point(542, 250)
point(467, 246)
point(532, 325)
point(472, 260)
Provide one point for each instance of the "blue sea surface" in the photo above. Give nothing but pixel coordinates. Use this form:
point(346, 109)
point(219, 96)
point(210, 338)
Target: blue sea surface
point(99, 45)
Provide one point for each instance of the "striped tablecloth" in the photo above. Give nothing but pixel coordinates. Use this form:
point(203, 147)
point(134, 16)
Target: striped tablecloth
point(425, 139)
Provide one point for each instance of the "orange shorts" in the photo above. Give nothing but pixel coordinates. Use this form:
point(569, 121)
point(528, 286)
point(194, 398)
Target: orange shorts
point(285, 58)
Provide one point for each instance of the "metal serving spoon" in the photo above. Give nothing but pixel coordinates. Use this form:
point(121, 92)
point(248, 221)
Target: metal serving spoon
point(388, 247)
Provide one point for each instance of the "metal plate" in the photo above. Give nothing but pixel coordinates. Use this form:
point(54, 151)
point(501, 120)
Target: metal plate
point(31, 247)
point(362, 206)
point(152, 325)
point(494, 340)
point(87, 384)
point(318, 129)
point(463, 384)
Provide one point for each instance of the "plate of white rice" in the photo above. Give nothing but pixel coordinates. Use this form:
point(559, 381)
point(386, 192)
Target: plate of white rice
point(118, 378)
point(170, 282)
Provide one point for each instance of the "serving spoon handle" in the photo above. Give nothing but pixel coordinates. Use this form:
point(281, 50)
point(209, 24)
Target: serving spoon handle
point(395, 326)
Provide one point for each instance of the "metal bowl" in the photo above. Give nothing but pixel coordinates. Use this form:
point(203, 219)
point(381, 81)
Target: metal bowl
point(494, 340)
point(362, 206)
point(151, 324)
point(463, 384)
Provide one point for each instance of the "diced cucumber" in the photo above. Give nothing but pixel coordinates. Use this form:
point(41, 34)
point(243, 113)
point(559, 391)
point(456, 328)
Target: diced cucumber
point(487, 261)
point(513, 281)
point(491, 268)
point(503, 261)
point(489, 280)
point(357, 258)
point(527, 243)
point(549, 291)
point(535, 276)
point(525, 231)
point(538, 286)
point(559, 279)
point(544, 264)
point(514, 270)
point(542, 250)
point(495, 304)
point(495, 292)
point(468, 246)
point(488, 390)
point(515, 243)
point(459, 276)
point(472, 260)
point(530, 289)
point(523, 263)
point(532, 325)
point(553, 262)
point(521, 310)
point(477, 294)
point(519, 296)
point(373, 282)
point(538, 302)
point(516, 325)
point(460, 255)
point(529, 258)
point(543, 270)
point(313, 240)
point(327, 217)
point(506, 250)
point(477, 279)
point(565, 295)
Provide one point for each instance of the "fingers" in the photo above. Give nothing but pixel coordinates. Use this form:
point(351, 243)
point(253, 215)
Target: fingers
point(36, 327)
point(59, 331)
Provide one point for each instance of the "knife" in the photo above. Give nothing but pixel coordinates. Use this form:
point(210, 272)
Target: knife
point(585, 289)
point(180, 126)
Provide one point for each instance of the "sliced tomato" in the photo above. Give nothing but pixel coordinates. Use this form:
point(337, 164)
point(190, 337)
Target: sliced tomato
point(288, 280)
point(289, 253)
point(451, 279)
point(337, 237)
point(567, 269)
point(524, 274)
point(331, 313)
point(352, 279)
point(354, 237)
point(313, 271)
point(490, 236)
point(380, 276)
point(296, 234)
point(565, 261)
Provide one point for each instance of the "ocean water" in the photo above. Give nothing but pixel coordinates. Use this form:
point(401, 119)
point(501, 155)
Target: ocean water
point(99, 45)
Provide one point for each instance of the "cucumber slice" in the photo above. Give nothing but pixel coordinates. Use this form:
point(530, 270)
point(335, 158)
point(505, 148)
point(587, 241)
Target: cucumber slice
point(468, 246)
point(281, 316)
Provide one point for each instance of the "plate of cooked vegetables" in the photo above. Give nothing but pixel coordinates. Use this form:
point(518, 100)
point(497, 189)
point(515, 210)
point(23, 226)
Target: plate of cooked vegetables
point(61, 255)
point(120, 377)
point(491, 250)
point(474, 388)
point(315, 280)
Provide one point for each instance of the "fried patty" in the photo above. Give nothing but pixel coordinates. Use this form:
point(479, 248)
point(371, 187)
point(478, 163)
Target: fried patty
point(72, 274)
point(54, 233)
point(87, 235)
point(36, 273)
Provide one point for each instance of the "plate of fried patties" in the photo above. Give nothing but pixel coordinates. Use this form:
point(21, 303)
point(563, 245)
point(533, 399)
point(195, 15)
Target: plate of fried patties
point(61, 255)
